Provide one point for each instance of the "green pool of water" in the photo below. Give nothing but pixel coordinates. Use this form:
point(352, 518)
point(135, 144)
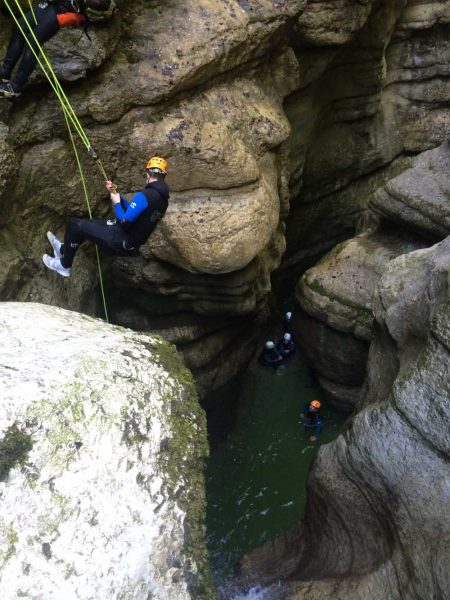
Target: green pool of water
point(256, 478)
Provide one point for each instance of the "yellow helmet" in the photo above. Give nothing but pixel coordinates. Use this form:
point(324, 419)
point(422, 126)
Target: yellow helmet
point(157, 165)
point(315, 404)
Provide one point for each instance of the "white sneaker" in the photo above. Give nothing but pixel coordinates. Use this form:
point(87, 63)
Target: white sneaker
point(56, 244)
point(54, 264)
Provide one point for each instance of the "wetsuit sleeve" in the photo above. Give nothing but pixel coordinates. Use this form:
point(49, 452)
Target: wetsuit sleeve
point(133, 209)
point(124, 204)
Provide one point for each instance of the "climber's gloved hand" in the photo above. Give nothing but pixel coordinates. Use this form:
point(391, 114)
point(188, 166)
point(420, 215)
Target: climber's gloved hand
point(112, 189)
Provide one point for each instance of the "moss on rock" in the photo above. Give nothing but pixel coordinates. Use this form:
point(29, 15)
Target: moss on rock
point(14, 449)
point(180, 458)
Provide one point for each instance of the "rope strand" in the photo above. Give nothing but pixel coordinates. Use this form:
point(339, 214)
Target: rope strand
point(69, 116)
point(32, 11)
point(88, 204)
point(65, 104)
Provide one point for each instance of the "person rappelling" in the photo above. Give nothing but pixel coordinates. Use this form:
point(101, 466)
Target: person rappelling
point(123, 236)
point(45, 21)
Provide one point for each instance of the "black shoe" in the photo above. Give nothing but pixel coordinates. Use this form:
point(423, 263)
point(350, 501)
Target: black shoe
point(7, 90)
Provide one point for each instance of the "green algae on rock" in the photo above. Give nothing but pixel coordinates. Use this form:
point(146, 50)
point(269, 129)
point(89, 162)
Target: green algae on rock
point(97, 505)
point(14, 449)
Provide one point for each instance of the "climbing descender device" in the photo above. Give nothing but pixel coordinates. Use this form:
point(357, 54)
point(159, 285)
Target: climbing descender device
point(92, 153)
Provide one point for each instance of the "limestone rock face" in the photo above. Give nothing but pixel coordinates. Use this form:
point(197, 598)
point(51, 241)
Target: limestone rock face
point(337, 298)
point(347, 17)
point(337, 295)
point(101, 449)
point(279, 119)
point(7, 168)
point(360, 106)
point(339, 289)
point(419, 198)
point(377, 518)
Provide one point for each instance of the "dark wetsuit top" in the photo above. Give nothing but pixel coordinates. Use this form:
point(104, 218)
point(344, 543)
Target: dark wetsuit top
point(139, 217)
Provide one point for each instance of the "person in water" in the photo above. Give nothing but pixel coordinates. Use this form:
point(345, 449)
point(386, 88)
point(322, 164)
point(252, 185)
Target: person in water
point(270, 355)
point(287, 323)
point(287, 346)
point(45, 21)
point(134, 222)
point(313, 418)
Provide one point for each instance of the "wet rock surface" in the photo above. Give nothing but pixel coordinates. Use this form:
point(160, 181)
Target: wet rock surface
point(102, 443)
point(337, 295)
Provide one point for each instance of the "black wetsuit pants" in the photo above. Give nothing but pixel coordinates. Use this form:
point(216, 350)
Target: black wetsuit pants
point(108, 235)
point(47, 26)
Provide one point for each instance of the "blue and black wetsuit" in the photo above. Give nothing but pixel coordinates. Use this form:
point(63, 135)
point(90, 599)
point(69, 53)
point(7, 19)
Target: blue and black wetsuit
point(287, 349)
point(313, 420)
point(136, 220)
point(271, 357)
point(45, 21)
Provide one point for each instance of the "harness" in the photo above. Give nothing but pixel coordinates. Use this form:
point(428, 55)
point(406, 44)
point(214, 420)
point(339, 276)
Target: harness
point(139, 231)
point(77, 7)
point(72, 14)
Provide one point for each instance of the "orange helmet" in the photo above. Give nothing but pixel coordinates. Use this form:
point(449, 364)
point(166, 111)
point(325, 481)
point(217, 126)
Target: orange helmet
point(157, 165)
point(315, 404)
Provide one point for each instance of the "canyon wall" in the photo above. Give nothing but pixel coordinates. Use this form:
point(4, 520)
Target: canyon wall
point(289, 126)
point(278, 119)
point(377, 515)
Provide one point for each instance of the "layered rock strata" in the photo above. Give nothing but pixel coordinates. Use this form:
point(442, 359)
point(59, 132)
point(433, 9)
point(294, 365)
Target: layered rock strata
point(362, 108)
point(376, 522)
point(419, 198)
point(254, 104)
point(337, 294)
point(102, 444)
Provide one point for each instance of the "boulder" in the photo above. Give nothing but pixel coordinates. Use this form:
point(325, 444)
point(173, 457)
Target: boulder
point(419, 198)
point(337, 297)
point(102, 443)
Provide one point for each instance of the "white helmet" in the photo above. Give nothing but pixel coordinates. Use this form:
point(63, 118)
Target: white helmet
point(287, 337)
point(288, 316)
point(270, 345)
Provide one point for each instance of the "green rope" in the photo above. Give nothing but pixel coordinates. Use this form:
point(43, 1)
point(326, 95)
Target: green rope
point(56, 86)
point(88, 204)
point(32, 11)
point(70, 116)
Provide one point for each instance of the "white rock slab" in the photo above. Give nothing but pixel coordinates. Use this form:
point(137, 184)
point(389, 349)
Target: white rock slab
point(97, 508)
